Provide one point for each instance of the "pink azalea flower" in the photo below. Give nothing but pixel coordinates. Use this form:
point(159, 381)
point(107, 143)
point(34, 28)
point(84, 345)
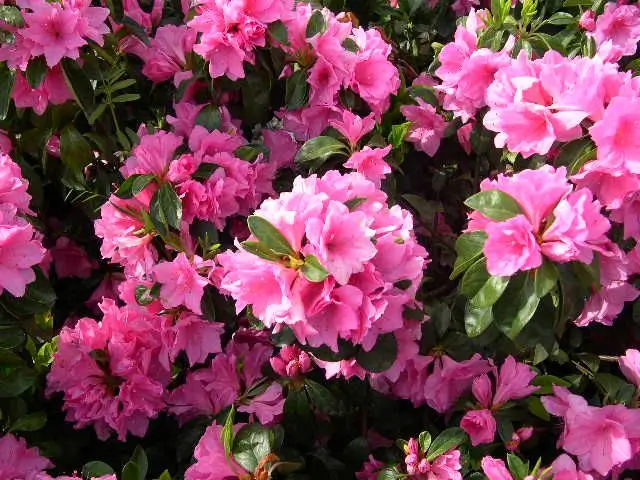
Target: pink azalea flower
point(564, 468)
point(588, 20)
point(464, 136)
point(353, 127)
point(291, 362)
point(370, 469)
point(13, 187)
point(427, 126)
point(53, 90)
point(511, 246)
point(152, 155)
point(495, 469)
point(20, 461)
point(513, 382)
point(630, 366)
point(70, 260)
point(618, 30)
point(181, 282)
point(268, 406)
point(370, 163)
point(605, 305)
point(282, 147)
point(211, 460)
point(20, 251)
point(166, 55)
point(480, 425)
point(5, 143)
point(195, 336)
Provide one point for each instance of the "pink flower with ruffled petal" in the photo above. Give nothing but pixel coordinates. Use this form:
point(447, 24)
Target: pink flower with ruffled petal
point(353, 127)
point(13, 187)
point(181, 282)
point(630, 366)
point(370, 163)
point(427, 126)
point(511, 246)
point(211, 460)
point(480, 425)
point(20, 461)
point(495, 469)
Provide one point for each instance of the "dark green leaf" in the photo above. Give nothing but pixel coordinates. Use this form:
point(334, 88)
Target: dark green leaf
point(469, 249)
point(350, 45)
point(389, 473)
point(75, 151)
point(321, 397)
point(139, 457)
point(261, 251)
point(126, 97)
point(209, 117)
point(278, 31)
point(354, 203)
point(474, 278)
point(133, 185)
point(313, 269)
point(561, 18)
point(15, 381)
point(11, 337)
point(447, 440)
point(80, 85)
point(207, 303)
point(490, 292)
point(251, 444)
point(318, 150)
point(146, 295)
point(131, 471)
point(136, 30)
point(166, 207)
point(545, 278)
point(30, 422)
point(7, 80)
point(269, 236)
point(36, 71)
point(38, 298)
point(297, 90)
point(96, 469)
point(505, 429)
point(517, 467)
point(204, 171)
point(535, 406)
point(381, 356)
point(494, 204)
point(477, 320)
point(117, 11)
point(316, 24)
point(165, 475)
point(517, 306)
point(11, 15)
point(425, 93)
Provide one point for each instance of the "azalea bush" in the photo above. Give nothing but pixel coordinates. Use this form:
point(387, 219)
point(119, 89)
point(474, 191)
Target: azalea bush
point(275, 239)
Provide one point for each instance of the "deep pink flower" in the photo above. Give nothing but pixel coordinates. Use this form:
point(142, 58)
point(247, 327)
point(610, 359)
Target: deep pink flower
point(152, 155)
point(20, 461)
point(427, 126)
point(13, 187)
point(211, 460)
point(588, 20)
point(291, 362)
point(353, 127)
point(513, 382)
point(370, 163)
point(53, 90)
point(511, 246)
point(495, 469)
point(167, 54)
point(480, 425)
point(70, 260)
point(268, 406)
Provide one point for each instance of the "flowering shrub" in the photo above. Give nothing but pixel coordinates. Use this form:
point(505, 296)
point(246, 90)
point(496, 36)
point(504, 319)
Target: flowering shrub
point(276, 239)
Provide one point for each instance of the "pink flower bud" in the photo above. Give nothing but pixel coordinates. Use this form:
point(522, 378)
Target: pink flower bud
point(588, 21)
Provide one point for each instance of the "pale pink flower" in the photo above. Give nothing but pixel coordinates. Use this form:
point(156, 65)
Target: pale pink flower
point(618, 29)
point(268, 406)
point(13, 187)
point(564, 468)
point(588, 20)
point(630, 366)
point(353, 127)
point(464, 136)
point(181, 282)
point(605, 304)
point(70, 260)
point(480, 425)
point(511, 246)
point(20, 461)
point(427, 126)
point(370, 163)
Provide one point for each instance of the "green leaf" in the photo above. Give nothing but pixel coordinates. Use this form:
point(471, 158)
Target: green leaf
point(505, 429)
point(297, 90)
point(165, 475)
point(490, 292)
point(278, 31)
point(126, 97)
point(561, 18)
point(204, 171)
point(269, 236)
point(11, 15)
point(317, 151)
point(38, 298)
point(96, 469)
point(447, 440)
point(30, 422)
point(226, 435)
point(389, 473)
point(350, 45)
point(424, 440)
point(313, 269)
point(398, 133)
point(425, 93)
point(474, 278)
point(11, 337)
point(354, 203)
point(80, 85)
point(139, 457)
point(131, 471)
point(209, 117)
point(469, 249)
point(133, 185)
point(381, 356)
point(251, 444)
point(117, 9)
point(36, 71)
point(7, 80)
point(97, 113)
point(517, 306)
point(321, 397)
point(545, 278)
point(316, 24)
point(577, 3)
point(135, 29)
point(535, 406)
point(477, 320)
point(75, 151)
point(146, 295)
point(15, 381)
point(166, 207)
point(494, 204)
point(261, 251)
point(517, 467)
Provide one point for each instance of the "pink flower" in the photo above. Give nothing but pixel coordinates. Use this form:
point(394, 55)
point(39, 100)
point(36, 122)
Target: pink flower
point(370, 469)
point(282, 147)
point(630, 366)
point(70, 260)
point(152, 155)
point(353, 127)
point(618, 30)
point(13, 187)
point(427, 126)
point(195, 336)
point(614, 135)
point(20, 251)
point(564, 468)
point(324, 83)
point(181, 282)
point(53, 89)
point(588, 20)
point(495, 469)
point(605, 305)
point(513, 382)
point(5, 143)
point(370, 163)
point(511, 246)
point(464, 136)
point(19, 461)
point(211, 460)
point(480, 425)
point(268, 406)
point(462, 7)
point(166, 56)
point(291, 362)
